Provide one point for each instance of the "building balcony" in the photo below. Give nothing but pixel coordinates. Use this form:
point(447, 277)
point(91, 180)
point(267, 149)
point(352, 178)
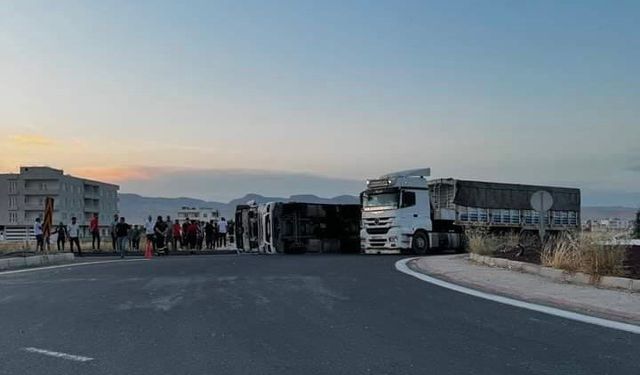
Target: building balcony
point(36, 191)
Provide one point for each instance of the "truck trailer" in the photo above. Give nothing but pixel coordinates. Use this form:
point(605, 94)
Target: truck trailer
point(403, 212)
point(294, 227)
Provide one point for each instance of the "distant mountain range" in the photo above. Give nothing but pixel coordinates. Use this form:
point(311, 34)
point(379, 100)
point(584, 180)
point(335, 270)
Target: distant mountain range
point(136, 207)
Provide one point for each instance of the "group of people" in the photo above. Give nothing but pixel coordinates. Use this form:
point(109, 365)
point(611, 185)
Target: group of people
point(63, 233)
point(162, 234)
point(198, 235)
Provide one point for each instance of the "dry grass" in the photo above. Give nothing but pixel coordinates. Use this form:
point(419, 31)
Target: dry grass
point(481, 242)
point(9, 247)
point(583, 252)
point(18, 246)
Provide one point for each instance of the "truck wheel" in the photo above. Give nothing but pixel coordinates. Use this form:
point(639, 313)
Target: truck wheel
point(420, 243)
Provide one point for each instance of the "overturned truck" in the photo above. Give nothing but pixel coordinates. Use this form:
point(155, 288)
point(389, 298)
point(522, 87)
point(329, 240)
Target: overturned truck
point(293, 227)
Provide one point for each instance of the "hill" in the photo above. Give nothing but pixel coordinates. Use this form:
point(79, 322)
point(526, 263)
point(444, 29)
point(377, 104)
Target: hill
point(136, 207)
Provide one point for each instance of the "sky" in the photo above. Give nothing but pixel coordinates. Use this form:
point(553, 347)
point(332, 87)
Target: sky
point(320, 95)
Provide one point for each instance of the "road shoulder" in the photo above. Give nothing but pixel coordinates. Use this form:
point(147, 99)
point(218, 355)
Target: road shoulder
point(604, 303)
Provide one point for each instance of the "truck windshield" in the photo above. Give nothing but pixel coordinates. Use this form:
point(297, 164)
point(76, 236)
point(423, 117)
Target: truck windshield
point(380, 201)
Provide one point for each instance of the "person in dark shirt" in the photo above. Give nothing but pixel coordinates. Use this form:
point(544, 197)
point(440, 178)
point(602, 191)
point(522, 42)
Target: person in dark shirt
point(160, 230)
point(61, 231)
point(208, 232)
point(122, 236)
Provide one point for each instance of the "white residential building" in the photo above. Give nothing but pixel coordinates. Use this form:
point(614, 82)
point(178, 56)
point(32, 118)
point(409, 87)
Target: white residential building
point(200, 214)
point(22, 197)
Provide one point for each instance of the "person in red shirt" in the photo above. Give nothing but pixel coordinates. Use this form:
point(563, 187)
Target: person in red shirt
point(177, 235)
point(192, 235)
point(94, 229)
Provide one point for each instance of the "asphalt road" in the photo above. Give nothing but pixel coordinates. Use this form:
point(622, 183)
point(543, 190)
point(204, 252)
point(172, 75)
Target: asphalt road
point(282, 315)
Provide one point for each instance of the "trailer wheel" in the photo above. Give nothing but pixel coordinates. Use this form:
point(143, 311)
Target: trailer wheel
point(420, 243)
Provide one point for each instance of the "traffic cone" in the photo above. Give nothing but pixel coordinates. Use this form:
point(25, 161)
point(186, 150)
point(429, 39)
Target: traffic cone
point(148, 251)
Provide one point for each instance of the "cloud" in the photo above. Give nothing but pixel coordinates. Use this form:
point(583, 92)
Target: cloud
point(114, 174)
point(31, 140)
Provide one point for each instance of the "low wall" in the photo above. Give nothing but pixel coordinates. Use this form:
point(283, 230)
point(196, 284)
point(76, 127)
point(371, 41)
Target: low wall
point(36, 260)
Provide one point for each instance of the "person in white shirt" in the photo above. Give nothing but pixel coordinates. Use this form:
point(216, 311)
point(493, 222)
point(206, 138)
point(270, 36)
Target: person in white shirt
point(37, 231)
point(74, 235)
point(222, 232)
point(149, 231)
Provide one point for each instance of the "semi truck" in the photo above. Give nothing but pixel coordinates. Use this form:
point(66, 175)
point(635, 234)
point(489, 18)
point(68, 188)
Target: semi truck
point(295, 227)
point(404, 212)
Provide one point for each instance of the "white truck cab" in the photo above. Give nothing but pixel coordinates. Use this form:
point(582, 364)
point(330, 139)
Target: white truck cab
point(265, 228)
point(396, 213)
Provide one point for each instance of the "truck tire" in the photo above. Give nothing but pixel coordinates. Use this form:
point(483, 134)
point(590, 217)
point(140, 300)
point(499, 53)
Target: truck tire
point(420, 243)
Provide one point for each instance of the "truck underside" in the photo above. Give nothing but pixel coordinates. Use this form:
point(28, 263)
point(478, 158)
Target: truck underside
point(320, 228)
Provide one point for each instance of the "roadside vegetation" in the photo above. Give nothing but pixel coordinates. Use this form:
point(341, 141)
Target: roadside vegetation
point(18, 247)
point(590, 253)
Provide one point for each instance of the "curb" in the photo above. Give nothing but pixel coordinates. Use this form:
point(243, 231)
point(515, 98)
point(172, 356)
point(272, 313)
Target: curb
point(406, 266)
point(609, 282)
point(89, 254)
point(36, 260)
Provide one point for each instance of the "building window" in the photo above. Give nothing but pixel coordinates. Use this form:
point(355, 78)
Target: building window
point(13, 187)
point(13, 217)
point(12, 202)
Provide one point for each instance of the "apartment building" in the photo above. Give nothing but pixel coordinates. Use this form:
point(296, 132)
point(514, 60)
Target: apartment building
point(195, 213)
point(22, 197)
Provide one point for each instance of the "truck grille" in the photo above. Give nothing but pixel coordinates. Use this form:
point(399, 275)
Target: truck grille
point(378, 222)
point(377, 230)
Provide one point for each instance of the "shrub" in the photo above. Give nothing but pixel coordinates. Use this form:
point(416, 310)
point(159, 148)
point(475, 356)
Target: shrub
point(480, 241)
point(584, 252)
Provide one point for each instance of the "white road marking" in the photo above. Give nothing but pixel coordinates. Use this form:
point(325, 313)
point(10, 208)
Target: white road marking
point(70, 357)
point(69, 265)
point(401, 266)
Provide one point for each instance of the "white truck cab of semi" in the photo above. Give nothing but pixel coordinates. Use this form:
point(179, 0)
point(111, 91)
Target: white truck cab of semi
point(265, 228)
point(396, 213)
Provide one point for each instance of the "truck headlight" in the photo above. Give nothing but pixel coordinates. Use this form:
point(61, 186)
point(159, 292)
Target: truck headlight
point(393, 239)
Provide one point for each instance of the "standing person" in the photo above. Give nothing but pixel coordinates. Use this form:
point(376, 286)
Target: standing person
point(200, 234)
point(114, 236)
point(37, 231)
point(74, 235)
point(122, 236)
point(222, 233)
point(149, 232)
point(192, 235)
point(160, 229)
point(177, 235)
point(208, 232)
point(169, 233)
point(185, 229)
point(135, 237)
point(94, 229)
point(61, 231)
